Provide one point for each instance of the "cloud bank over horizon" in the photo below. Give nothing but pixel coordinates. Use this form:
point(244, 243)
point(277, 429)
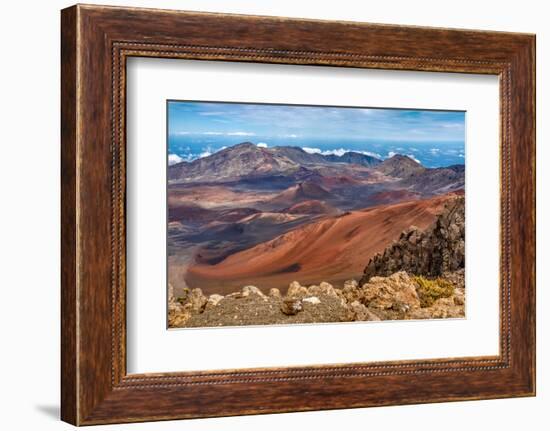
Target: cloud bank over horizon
point(199, 129)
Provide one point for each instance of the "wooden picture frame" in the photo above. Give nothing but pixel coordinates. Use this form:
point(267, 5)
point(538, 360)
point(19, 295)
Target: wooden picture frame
point(95, 43)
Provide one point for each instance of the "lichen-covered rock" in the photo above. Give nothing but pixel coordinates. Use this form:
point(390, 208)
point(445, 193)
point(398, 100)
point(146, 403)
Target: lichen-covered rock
point(360, 313)
point(178, 318)
point(351, 291)
point(251, 290)
point(459, 297)
point(291, 306)
point(351, 284)
point(432, 252)
point(196, 300)
point(443, 308)
point(456, 278)
point(312, 300)
point(327, 289)
point(382, 298)
point(296, 290)
point(214, 300)
point(322, 289)
point(177, 314)
point(396, 292)
point(171, 297)
point(274, 292)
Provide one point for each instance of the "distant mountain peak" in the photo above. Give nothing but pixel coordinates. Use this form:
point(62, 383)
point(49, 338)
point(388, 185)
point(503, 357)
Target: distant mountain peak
point(292, 147)
point(354, 157)
point(400, 166)
point(245, 144)
point(242, 160)
point(401, 158)
point(311, 189)
point(249, 160)
point(302, 191)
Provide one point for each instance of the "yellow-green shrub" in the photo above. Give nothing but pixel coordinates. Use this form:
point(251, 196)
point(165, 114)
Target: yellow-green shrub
point(431, 290)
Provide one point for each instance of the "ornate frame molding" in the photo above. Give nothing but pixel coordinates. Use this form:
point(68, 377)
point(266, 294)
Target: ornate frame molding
point(96, 42)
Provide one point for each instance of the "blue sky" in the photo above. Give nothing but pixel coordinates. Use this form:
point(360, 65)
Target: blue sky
point(197, 129)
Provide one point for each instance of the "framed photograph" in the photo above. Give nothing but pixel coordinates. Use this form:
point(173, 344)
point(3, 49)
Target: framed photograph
point(324, 214)
point(298, 213)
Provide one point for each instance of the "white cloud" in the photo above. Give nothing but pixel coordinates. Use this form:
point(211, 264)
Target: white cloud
point(240, 134)
point(367, 112)
point(208, 151)
point(452, 125)
point(173, 159)
point(311, 150)
point(215, 133)
point(209, 113)
point(411, 156)
point(261, 145)
point(369, 153)
point(338, 152)
point(434, 151)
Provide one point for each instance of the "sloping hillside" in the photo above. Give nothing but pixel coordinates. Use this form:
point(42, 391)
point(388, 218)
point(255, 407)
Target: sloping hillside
point(333, 249)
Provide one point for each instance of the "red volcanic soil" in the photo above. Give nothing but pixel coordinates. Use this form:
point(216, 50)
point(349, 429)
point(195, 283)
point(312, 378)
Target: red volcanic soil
point(298, 193)
point(311, 207)
point(195, 213)
point(189, 213)
point(338, 181)
point(333, 249)
point(389, 196)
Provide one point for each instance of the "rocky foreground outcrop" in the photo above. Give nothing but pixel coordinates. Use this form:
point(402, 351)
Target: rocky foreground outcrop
point(431, 252)
point(398, 296)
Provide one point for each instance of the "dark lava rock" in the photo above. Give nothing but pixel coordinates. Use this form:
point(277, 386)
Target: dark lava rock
point(432, 252)
point(291, 306)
